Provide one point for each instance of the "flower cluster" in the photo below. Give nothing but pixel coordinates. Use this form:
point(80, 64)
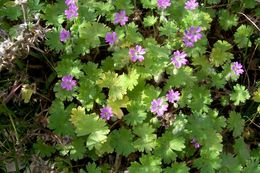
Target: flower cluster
point(195, 143)
point(237, 68)
point(137, 53)
point(191, 36)
point(64, 35)
point(163, 3)
point(159, 106)
point(67, 82)
point(121, 18)
point(111, 38)
point(179, 58)
point(106, 113)
point(72, 10)
point(191, 5)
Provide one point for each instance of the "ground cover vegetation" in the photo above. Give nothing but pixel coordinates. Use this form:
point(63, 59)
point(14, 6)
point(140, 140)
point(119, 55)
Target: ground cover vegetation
point(129, 86)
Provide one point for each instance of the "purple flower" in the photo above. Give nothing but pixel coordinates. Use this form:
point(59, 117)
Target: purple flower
point(179, 59)
point(137, 53)
point(159, 106)
point(195, 143)
point(68, 83)
point(72, 11)
point(191, 36)
point(111, 38)
point(106, 113)
point(121, 18)
point(64, 35)
point(237, 68)
point(191, 5)
point(70, 2)
point(163, 3)
point(173, 96)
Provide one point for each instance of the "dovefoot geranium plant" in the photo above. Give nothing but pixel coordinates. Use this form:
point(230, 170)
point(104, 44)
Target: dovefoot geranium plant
point(140, 94)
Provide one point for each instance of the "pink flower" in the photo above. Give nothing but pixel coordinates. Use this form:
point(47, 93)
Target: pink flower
point(137, 53)
point(111, 38)
point(237, 68)
point(121, 18)
point(106, 113)
point(163, 3)
point(191, 5)
point(72, 11)
point(70, 2)
point(179, 59)
point(173, 96)
point(158, 106)
point(64, 35)
point(191, 36)
point(68, 83)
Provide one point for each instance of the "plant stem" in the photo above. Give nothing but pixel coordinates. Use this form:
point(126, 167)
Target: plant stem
point(117, 163)
point(24, 15)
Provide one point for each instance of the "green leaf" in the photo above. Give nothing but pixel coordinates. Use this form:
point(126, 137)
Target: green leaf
point(242, 36)
point(120, 58)
point(107, 79)
point(117, 105)
point(34, 6)
point(132, 35)
point(202, 19)
point(89, 33)
point(150, 21)
point(182, 77)
point(136, 114)
point(249, 3)
point(88, 92)
point(230, 163)
point(242, 150)
point(53, 40)
point(27, 91)
point(200, 100)
point(169, 29)
point(63, 94)
point(252, 166)
point(227, 20)
point(167, 145)
point(54, 13)
point(92, 168)
point(69, 66)
point(146, 140)
point(11, 12)
point(44, 150)
point(116, 89)
point(78, 149)
point(122, 141)
point(218, 80)
point(148, 164)
point(177, 168)
point(256, 96)
point(118, 85)
point(130, 80)
point(207, 165)
point(219, 54)
point(240, 94)
point(124, 5)
point(90, 125)
point(59, 118)
point(235, 123)
point(149, 3)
